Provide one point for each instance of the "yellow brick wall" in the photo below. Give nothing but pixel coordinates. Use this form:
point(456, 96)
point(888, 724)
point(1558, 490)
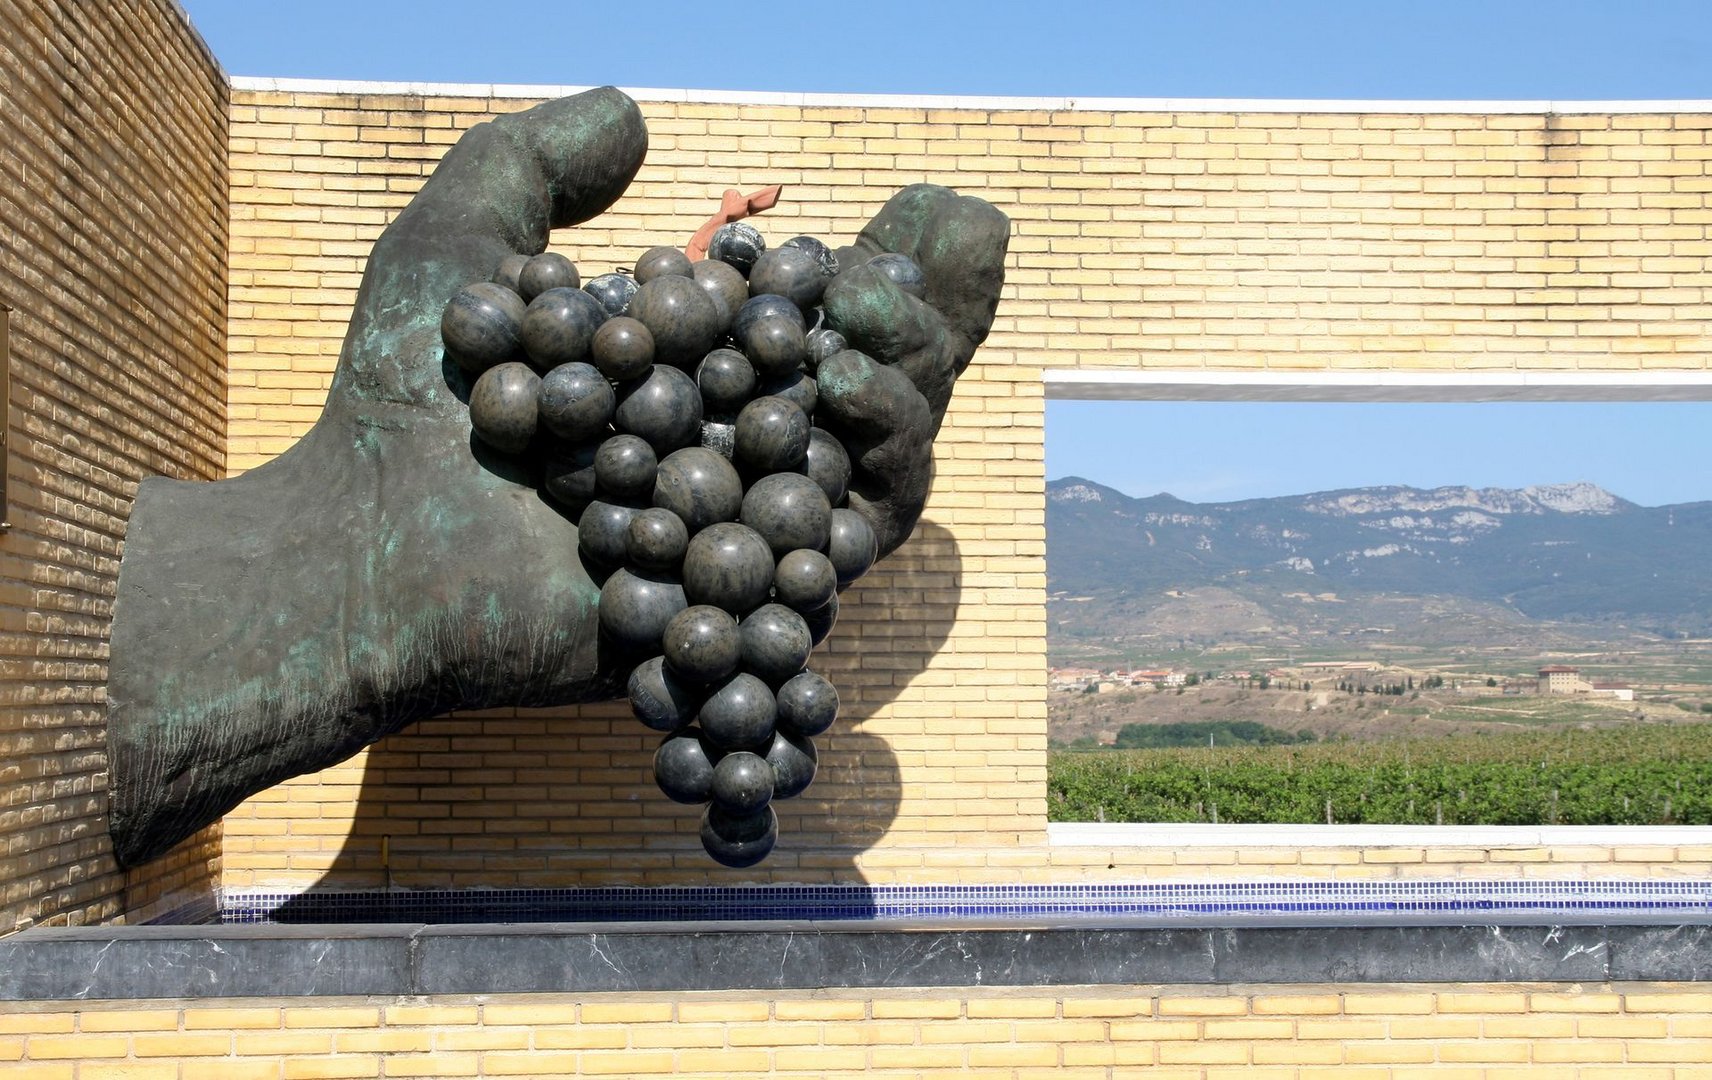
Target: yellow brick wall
point(1623, 1032)
point(1141, 239)
point(112, 256)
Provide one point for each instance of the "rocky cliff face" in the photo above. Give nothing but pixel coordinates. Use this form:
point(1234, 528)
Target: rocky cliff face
point(1554, 551)
point(1476, 503)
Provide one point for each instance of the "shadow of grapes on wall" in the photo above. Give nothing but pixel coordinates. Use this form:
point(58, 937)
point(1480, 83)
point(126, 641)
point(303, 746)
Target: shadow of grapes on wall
point(564, 798)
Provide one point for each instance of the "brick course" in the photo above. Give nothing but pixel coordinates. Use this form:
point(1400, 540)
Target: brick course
point(1220, 241)
point(1622, 1032)
point(113, 209)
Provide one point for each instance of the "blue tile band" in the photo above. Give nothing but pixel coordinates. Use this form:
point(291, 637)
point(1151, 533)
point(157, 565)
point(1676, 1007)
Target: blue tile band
point(975, 902)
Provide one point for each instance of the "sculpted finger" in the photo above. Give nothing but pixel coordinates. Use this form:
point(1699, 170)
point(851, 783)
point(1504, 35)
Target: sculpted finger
point(887, 428)
point(515, 177)
point(961, 253)
point(959, 242)
point(880, 319)
point(504, 186)
point(903, 221)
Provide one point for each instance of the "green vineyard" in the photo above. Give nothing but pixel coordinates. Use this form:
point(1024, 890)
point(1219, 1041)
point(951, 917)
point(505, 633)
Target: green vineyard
point(1646, 775)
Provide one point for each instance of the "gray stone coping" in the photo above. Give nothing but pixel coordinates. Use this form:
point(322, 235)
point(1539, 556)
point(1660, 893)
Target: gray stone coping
point(103, 963)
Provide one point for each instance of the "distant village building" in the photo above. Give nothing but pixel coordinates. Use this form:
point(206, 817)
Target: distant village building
point(1072, 678)
point(1159, 680)
point(1618, 690)
point(1561, 679)
point(1105, 682)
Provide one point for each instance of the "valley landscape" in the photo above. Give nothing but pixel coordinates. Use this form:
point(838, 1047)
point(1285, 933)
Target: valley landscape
point(1375, 622)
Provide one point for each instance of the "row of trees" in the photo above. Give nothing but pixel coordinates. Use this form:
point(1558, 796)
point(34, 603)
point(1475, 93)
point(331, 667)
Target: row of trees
point(1407, 686)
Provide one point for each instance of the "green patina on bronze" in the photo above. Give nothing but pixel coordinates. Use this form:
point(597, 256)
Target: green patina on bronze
point(379, 572)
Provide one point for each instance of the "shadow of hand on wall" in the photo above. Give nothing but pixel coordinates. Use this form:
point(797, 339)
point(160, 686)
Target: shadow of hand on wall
point(557, 798)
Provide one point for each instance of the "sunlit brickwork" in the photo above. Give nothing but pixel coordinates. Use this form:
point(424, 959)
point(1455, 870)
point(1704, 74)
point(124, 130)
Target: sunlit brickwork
point(1291, 241)
point(113, 258)
point(1630, 1032)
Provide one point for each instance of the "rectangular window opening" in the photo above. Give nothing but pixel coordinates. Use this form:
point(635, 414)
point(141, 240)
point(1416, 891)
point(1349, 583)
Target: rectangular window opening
point(1316, 624)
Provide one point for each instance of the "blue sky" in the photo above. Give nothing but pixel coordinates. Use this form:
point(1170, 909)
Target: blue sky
point(1652, 453)
point(1373, 49)
point(1120, 48)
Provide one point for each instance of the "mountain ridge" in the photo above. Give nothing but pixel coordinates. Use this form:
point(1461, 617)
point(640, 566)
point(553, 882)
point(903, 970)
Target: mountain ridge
point(1576, 496)
point(1546, 552)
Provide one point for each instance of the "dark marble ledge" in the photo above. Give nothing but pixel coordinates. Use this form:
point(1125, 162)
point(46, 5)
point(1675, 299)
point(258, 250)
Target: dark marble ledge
point(407, 960)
